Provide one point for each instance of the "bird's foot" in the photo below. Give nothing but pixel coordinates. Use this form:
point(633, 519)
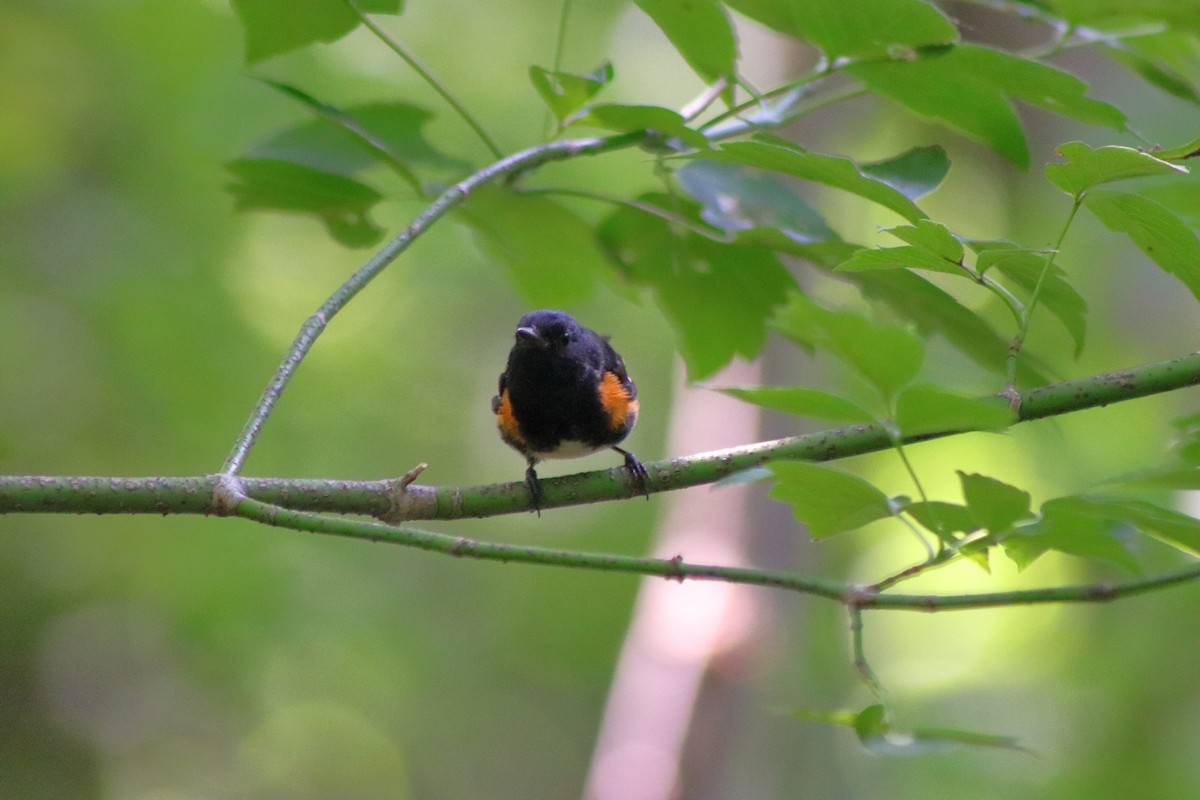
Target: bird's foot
point(641, 477)
point(534, 485)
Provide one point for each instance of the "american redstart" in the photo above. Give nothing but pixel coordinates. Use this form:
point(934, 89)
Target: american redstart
point(564, 394)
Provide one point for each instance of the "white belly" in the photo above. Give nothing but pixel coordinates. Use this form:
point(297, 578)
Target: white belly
point(570, 449)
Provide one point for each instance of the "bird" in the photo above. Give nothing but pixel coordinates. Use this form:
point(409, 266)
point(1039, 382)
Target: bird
point(565, 393)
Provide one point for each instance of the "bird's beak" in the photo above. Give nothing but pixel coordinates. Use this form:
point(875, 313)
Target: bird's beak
point(526, 335)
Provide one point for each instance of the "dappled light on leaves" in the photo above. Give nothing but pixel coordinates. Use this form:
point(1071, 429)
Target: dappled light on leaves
point(945, 254)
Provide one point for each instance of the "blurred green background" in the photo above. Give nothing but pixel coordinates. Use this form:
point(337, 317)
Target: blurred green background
point(190, 658)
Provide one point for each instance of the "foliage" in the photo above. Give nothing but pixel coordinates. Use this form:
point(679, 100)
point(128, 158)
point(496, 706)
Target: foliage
point(732, 229)
point(713, 245)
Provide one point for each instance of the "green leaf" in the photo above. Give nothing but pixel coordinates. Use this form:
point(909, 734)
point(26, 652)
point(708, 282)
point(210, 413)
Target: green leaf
point(1177, 529)
point(993, 253)
point(1161, 235)
point(933, 310)
point(844, 718)
point(735, 200)
point(928, 740)
point(1160, 75)
point(907, 257)
point(804, 402)
point(671, 129)
point(1024, 268)
point(931, 246)
point(877, 735)
point(564, 92)
point(888, 356)
point(719, 302)
point(972, 88)
point(914, 173)
point(932, 236)
point(1087, 166)
point(360, 140)
point(551, 254)
point(928, 409)
point(744, 476)
point(1177, 478)
point(871, 724)
point(841, 173)
point(1181, 14)
point(826, 500)
point(342, 203)
point(717, 296)
point(942, 519)
point(347, 141)
point(1180, 152)
point(700, 30)
point(279, 26)
point(1185, 444)
point(398, 128)
point(1074, 526)
point(995, 505)
point(1180, 196)
point(855, 28)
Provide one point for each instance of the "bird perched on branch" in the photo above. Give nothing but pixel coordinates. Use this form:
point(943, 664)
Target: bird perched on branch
point(565, 394)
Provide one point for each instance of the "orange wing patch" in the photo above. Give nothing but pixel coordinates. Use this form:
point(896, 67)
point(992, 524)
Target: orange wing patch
point(616, 402)
point(510, 431)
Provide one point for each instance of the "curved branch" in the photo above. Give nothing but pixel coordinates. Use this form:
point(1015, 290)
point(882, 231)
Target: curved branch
point(857, 598)
point(525, 160)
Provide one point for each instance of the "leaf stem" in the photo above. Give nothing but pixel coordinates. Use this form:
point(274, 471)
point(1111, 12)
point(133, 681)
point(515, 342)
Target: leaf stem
point(861, 665)
point(706, 98)
point(560, 38)
point(1018, 342)
point(898, 446)
point(676, 220)
point(430, 79)
point(1010, 301)
point(560, 43)
point(759, 99)
point(346, 122)
point(788, 109)
point(941, 559)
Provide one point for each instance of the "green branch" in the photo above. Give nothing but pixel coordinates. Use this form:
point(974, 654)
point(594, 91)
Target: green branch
point(399, 500)
point(856, 598)
point(268, 501)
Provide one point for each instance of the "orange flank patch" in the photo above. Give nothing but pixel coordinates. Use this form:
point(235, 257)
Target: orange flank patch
point(507, 423)
point(616, 402)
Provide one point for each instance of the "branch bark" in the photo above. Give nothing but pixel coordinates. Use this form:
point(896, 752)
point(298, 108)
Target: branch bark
point(267, 501)
point(397, 500)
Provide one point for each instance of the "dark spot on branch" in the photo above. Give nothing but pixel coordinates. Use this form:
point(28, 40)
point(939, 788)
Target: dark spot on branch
point(677, 564)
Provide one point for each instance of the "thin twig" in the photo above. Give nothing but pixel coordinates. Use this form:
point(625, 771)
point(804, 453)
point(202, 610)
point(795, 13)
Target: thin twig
point(430, 79)
point(1018, 342)
point(677, 569)
point(456, 194)
point(861, 665)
